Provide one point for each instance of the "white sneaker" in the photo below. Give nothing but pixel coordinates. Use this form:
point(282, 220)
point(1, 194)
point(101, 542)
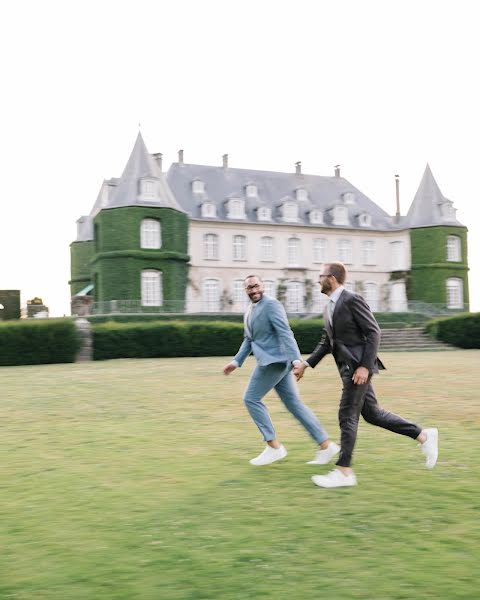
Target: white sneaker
point(430, 447)
point(334, 479)
point(269, 455)
point(322, 457)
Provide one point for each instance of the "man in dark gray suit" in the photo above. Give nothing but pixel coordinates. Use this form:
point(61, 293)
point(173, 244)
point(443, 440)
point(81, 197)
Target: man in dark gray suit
point(352, 335)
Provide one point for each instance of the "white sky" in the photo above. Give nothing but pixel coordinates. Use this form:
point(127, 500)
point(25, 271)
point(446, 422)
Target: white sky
point(379, 87)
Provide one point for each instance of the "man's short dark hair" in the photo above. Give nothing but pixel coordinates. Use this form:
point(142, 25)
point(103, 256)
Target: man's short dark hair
point(250, 276)
point(338, 270)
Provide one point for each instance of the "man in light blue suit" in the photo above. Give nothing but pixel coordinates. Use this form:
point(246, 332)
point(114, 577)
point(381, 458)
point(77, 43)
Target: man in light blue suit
point(269, 337)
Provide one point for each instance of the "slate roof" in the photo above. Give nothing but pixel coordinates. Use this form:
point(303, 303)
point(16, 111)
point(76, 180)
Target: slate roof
point(124, 191)
point(222, 183)
point(430, 207)
point(273, 188)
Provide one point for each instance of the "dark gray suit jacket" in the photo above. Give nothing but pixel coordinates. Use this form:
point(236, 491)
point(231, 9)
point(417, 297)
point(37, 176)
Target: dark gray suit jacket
point(354, 336)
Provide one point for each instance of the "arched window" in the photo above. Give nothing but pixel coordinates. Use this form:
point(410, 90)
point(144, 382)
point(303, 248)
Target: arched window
point(398, 256)
point(302, 194)
point(371, 295)
point(340, 215)
point(368, 253)
point(198, 186)
point(344, 251)
point(316, 217)
point(269, 287)
point(148, 189)
point(293, 252)
point(290, 212)
point(208, 209)
point(454, 292)
point(364, 220)
point(454, 248)
point(211, 295)
point(264, 214)
point(240, 298)
point(320, 250)
point(319, 300)
point(295, 297)
point(151, 288)
point(251, 190)
point(239, 247)
point(236, 209)
point(210, 246)
point(150, 234)
point(266, 248)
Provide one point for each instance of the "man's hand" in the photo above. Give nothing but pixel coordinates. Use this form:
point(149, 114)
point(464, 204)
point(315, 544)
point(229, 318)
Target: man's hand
point(298, 370)
point(360, 376)
point(227, 369)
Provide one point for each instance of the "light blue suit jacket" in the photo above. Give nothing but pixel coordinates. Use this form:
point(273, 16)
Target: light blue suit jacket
point(271, 339)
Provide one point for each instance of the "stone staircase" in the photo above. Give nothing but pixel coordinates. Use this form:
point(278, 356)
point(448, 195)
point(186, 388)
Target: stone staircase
point(410, 339)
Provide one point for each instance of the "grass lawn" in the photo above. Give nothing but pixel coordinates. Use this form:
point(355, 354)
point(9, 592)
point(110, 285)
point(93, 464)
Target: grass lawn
point(129, 479)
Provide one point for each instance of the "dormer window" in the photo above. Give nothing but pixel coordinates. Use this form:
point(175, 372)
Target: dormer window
point(301, 194)
point(340, 215)
point(290, 212)
point(316, 217)
point(264, 214)
point(209, 209)
point(236, 209)
point(251, 191)
point(148, 189)
point(447, 210)
point(364, 220)
point(349, 198)
point(198, 186)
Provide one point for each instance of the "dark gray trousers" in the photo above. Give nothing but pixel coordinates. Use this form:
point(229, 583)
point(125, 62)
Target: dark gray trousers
point(359, 400)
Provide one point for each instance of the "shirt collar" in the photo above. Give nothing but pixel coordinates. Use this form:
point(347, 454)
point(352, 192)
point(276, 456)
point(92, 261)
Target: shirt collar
point(336, 294)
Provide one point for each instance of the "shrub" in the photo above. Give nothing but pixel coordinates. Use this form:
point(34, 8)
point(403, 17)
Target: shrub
point(462, 330)
point(165, 339)
point(38, 342)
point(307, 333)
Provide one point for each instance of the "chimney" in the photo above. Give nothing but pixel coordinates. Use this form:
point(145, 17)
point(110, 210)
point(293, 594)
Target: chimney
point(180, 157)
point(397, 193)
point(225, 161)
point(298, 168)
point(337, 170)
point(158, 159)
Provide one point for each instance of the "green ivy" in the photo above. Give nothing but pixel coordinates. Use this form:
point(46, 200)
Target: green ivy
point(430, 270)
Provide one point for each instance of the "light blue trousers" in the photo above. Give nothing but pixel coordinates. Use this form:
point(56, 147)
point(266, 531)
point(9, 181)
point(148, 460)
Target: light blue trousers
point(279, 376)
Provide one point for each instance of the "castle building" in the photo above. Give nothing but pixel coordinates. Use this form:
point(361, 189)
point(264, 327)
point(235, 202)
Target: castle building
point(184, 241)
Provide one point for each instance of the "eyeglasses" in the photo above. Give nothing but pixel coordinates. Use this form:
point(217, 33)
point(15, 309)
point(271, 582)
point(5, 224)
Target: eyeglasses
point(249, 288)
point(324, 275)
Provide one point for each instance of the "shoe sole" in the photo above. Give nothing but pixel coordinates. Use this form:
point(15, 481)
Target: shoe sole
point(268, 463)
point(333, 486)
point(434, 433)
point(316, 462)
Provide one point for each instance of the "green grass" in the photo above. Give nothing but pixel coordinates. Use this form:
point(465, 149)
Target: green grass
point(130, 479)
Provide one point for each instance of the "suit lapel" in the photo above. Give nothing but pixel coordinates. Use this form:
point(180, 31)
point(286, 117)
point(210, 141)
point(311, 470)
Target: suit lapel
point(256, 312)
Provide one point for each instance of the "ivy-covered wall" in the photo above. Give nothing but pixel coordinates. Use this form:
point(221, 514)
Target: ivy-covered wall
point(119, 260)
point(430, 268)
point(81, 255)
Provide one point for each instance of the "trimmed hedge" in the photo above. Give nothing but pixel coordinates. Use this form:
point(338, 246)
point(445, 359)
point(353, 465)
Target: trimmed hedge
point(38, 342)
point(165, 339)
point(180, 338)
point(462, 330)
point(142, 318)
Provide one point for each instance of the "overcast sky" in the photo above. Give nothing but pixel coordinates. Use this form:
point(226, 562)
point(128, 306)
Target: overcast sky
point(379, 87)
